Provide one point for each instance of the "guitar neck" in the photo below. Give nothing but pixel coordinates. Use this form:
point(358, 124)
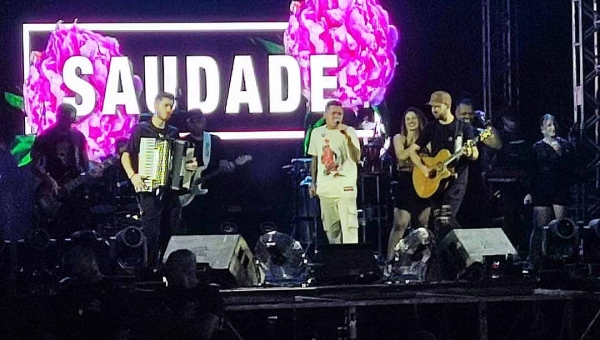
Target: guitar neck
point(459, 153)
point(76, 182)
point(209, 176)
point(86, 176)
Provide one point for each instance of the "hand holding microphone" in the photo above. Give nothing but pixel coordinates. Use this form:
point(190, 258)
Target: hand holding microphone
point(341, 127)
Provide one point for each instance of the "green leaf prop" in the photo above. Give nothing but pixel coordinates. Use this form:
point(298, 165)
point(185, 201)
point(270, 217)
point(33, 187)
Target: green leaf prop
point(20, 148)
point(14, 100)
point(271, 47)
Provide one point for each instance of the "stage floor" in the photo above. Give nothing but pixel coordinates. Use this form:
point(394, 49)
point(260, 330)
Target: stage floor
point(397, 311)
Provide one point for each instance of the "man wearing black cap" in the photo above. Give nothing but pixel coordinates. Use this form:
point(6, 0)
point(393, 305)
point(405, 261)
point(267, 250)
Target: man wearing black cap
point(446, 132)
point(206, 210)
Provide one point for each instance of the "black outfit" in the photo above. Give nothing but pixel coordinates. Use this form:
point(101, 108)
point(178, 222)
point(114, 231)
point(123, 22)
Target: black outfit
point(204, 214)
point(161, 210)
point(62, 154)
point(476, 208)
point(446, 137)
point(552, 173)
point(405, 196)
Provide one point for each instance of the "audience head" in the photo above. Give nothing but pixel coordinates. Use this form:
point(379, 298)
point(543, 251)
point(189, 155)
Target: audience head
point(181, 269)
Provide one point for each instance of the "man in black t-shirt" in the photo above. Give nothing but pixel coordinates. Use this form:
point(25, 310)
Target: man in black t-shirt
point(449, 133)
point(59, 156)
point(160, 209)
point(476, 210)
point(205, 211)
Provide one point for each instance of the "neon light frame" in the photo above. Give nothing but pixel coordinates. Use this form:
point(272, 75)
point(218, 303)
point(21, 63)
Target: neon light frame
point(177, 27)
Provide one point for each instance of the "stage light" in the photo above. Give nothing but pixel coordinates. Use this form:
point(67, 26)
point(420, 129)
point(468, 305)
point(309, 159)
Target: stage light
point(591, 242)
point(228, 227)
point(281, 258)
point(131, 248)
point(39, 256)
point(560, 240)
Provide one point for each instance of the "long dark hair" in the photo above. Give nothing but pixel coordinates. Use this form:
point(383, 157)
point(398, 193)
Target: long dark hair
point(420, 117)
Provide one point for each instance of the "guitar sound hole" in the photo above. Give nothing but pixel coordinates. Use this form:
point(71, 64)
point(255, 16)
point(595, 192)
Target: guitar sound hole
point(432, 173)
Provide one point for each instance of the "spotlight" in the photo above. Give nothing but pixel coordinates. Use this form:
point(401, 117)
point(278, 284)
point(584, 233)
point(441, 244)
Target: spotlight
point(38, 239)
point(591, 242)
point(38, 255)
point(228, 227)
point(267, 227)
point(131, 248)
point(560, 240)
point(281, 258)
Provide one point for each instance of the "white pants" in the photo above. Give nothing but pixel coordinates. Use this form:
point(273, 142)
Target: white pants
point(340, 219)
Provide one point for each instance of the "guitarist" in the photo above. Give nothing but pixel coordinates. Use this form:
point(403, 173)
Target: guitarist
point(59, 156)
point(208, 151)
point(446, 132)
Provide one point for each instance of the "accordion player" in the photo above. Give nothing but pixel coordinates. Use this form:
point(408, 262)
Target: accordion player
point(161, 163)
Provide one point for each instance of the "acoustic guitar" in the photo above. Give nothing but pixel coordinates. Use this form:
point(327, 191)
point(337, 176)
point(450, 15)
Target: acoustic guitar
point(440, 168)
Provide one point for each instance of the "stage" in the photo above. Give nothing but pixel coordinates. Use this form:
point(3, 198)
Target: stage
point(396, 311)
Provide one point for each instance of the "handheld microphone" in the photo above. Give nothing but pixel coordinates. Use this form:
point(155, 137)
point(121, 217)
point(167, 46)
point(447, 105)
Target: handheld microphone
point(337, 123)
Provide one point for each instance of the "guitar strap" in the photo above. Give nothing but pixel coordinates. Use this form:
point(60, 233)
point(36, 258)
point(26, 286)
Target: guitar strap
point(458, 134)
point(206, 149)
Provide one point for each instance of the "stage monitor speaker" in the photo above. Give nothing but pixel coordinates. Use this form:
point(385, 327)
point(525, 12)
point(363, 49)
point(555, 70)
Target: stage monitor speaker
point(466, 247)
point(228, 256)
point(346, 264)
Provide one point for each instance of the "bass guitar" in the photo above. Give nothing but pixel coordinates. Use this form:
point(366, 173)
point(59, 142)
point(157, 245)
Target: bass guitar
point(49, 202)
point(426, 186)
point(199, 179)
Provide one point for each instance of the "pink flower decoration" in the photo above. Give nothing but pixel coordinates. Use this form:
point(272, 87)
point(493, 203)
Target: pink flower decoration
point(359, 33)
point(44, 88)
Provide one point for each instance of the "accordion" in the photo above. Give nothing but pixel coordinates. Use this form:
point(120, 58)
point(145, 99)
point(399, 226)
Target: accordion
point(161, 163)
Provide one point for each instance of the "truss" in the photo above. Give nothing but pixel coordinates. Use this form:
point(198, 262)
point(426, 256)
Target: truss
point(500, 53)
point(586, 104)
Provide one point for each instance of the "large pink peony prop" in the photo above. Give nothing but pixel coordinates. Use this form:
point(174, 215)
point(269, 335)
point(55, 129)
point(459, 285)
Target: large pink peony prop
point(44, 88)
point(359, 32)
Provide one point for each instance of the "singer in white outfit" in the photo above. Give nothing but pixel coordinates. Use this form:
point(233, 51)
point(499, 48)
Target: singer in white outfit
point(335, 153)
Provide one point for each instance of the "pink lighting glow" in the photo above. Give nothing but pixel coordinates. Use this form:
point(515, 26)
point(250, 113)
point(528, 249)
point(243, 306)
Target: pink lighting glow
point(359, 32)
point(44, 87)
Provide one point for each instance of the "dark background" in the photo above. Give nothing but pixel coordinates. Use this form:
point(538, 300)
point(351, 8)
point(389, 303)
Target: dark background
point(440, 45)
point(439, 48)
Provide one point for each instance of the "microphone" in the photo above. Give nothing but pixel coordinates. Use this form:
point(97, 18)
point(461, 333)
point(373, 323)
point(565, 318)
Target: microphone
point(337, 123)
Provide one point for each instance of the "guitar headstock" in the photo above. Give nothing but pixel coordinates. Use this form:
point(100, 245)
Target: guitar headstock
point(486, 133)
point(243, 159)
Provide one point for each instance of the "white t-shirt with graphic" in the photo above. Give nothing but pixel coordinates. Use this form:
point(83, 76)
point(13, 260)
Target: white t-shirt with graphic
point(336, 171)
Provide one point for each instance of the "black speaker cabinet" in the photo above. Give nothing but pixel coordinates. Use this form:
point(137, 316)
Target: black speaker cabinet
point(346, 264)
point(229, 257)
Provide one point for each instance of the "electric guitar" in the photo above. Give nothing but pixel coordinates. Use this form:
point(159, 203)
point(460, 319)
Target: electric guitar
point(49, 202)
point(199, 179)
point(427, 186)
